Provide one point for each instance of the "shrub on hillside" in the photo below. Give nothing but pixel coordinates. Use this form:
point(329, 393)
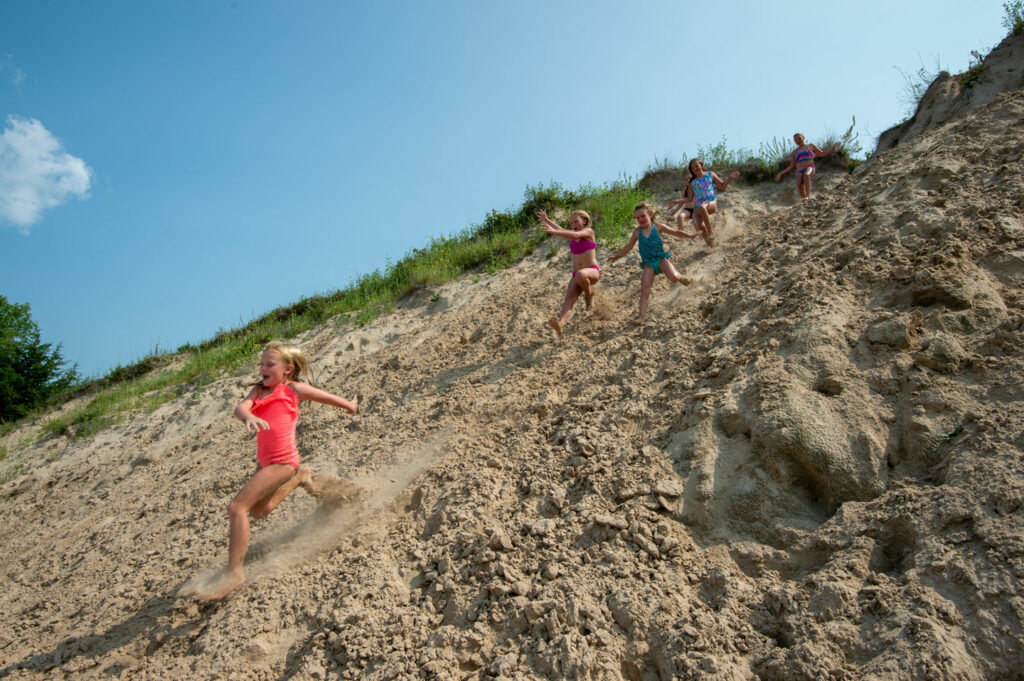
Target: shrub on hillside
point(30, 371)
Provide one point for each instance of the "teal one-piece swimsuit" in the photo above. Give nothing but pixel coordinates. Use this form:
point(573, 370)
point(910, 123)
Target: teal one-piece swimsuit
point(651, 249)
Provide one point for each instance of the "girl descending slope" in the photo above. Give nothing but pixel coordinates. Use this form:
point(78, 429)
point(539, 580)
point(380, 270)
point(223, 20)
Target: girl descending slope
point(653, 256)
point(705, 201)
point(271, 410)
point(803, 161)
point(682, 208)
point(585, 271)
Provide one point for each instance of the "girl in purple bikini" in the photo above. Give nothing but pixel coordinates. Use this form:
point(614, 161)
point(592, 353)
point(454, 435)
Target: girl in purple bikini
point(803, 161)
point(585, 271)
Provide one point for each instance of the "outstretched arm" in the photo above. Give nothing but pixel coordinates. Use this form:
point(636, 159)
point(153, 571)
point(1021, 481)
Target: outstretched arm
point(243, 412)
point(677, 233)
point(819, 152)
point(722, 186)
point(552, 227)
point(307, 392)
point(625, 249)
point(792, 164)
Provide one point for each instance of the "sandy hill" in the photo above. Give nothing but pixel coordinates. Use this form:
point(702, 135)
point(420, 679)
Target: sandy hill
point(807, 465)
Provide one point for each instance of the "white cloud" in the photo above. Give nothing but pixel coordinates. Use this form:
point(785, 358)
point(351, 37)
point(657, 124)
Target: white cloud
point(36, 174)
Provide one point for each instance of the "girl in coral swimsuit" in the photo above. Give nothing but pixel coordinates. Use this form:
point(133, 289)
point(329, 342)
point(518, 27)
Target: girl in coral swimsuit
point(585, 270)
point(271, 410)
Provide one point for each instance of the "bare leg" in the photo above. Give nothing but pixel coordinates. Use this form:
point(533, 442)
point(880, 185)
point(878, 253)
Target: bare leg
point(671, 273)
point(572, 293)
point(260, 486)
point(803, 183)
point(702, 219)
point(263, 507)
point(683, 216)
point(587, 279)
point(645, 292)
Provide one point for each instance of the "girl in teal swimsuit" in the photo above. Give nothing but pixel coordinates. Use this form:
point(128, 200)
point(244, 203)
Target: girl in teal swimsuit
point(653, 256)
point(803, 161)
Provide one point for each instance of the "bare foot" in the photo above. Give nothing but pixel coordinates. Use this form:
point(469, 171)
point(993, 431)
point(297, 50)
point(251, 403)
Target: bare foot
point(304, 478)
point(588, 299)
point(638, 322)
point(355, 404)
point(555, 324)
point(229, 580)
point(685, 281)
point(333, 491)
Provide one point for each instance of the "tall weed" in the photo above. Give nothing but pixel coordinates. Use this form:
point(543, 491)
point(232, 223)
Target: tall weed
point(1013, 17)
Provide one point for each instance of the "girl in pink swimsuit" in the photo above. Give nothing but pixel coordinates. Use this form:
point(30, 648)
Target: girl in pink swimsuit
point(271, 410)
point(585, 271)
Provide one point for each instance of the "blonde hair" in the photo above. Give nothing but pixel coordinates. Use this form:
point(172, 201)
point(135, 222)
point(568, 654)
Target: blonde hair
point(651, 210)
point(293, 356)
point(584, 215)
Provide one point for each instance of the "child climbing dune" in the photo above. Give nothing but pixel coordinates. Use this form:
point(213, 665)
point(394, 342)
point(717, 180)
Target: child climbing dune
point(653, 256)
point(271, 410)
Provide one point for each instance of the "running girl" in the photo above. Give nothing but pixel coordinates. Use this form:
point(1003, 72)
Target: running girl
point(803, 161)
point(271, 410)
point(682, 208)
point(653, 256)
point(585, 271)
point(705, 201)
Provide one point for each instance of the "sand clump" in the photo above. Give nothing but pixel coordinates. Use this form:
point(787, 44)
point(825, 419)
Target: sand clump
point(806, 465)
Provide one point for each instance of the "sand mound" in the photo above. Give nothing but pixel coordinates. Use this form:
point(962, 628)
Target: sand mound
point(807, 465)
point(950, 97)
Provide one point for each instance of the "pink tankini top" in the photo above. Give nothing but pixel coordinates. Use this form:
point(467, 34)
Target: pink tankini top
point(280, 409)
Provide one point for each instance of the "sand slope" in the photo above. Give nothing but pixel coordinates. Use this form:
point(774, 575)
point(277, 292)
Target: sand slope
point(808, 465)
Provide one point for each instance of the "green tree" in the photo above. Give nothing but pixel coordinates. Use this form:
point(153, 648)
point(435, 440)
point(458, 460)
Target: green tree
point(30, 371)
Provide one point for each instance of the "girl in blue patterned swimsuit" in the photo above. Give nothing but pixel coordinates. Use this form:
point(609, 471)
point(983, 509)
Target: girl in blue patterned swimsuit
point(653, 256)
point(705, 201)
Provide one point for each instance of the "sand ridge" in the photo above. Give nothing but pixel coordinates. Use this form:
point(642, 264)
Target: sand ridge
point(764, 481)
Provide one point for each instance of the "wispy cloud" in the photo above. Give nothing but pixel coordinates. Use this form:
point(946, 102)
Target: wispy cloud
point(36, 174)
point(9, 71)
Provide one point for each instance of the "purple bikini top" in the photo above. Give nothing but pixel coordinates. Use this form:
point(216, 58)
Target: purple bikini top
point(578, 246)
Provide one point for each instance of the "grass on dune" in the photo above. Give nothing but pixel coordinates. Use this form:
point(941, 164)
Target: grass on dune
point(500, 241)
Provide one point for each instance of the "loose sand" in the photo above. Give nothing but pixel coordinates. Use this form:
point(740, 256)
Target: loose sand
point(805, 465)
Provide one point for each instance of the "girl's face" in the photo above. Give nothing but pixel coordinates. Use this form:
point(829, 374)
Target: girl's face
point(576, 222)
point(697, 168)
point(799, 139)
point(273, 370)
point(643, 218)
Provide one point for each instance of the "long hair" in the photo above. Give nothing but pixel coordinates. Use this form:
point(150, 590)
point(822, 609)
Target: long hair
point(293, 356)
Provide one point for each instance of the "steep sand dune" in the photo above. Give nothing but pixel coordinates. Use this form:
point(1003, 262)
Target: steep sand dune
point(807, 465)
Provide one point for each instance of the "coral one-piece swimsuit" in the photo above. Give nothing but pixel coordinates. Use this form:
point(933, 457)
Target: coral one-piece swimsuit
point(280, 409)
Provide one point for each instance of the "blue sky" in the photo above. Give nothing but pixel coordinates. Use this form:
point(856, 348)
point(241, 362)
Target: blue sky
point(172, 168)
